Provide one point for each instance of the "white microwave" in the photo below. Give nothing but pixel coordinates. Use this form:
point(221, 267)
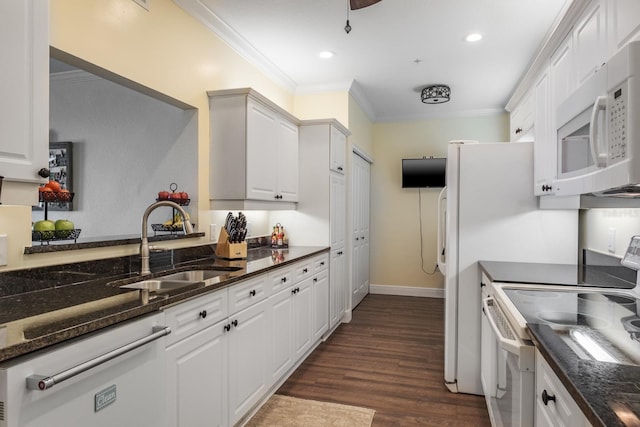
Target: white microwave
point(598, 131)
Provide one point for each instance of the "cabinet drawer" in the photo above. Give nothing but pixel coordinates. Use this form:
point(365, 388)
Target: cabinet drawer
point(560, 409)
point(193, 316)
point(247, 293)
point(303, 270)
point(320, 263)
point(280, 279)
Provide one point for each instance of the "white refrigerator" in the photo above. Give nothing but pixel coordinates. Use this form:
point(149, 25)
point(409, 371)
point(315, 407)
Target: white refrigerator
point(487, 211)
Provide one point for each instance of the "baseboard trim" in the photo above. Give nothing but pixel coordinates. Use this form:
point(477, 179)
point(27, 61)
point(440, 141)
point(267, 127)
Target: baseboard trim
point(406, 291)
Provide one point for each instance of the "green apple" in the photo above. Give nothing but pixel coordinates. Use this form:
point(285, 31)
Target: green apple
point(64, 224)
point(44, 225)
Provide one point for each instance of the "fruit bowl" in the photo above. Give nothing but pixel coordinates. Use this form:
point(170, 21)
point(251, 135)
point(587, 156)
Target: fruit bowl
point(57, 197)
point(46, 236)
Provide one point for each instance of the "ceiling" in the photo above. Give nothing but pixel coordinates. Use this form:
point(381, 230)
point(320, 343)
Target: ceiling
point(395, 48)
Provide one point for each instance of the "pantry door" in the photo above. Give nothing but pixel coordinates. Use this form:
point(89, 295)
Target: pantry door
point(360, 209)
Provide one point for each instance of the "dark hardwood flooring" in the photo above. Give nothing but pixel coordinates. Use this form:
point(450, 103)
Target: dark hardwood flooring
point(390, 358)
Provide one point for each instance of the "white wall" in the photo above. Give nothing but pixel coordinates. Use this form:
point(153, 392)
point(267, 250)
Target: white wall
point(596, 223)
point(126, 147)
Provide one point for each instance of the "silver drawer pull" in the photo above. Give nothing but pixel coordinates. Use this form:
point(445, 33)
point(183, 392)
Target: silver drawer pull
point(43, 382)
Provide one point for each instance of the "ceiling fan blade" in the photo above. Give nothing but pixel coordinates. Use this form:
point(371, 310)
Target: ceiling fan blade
point(359, 4)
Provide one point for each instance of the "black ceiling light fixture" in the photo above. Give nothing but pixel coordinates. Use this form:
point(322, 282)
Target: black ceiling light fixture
point(436, 94)
point(357, 4)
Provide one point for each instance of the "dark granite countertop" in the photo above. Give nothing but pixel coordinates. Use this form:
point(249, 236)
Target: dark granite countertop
point(607, 393)
point(44, 307)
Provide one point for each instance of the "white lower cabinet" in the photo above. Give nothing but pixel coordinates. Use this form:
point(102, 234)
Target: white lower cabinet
point(554, 405)
point(229, 348)
point(197, 380)
point(320, 303)
point(302, 317)
point(337, 287)
point(248, 345)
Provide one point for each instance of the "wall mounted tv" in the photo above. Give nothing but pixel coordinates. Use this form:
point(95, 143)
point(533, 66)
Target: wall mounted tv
point(424, 173)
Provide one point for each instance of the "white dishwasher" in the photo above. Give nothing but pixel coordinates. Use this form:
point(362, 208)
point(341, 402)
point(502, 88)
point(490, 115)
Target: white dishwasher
point(109, 378)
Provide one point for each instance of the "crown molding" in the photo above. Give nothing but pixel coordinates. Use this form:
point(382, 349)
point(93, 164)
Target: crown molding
point(361, 99)
point(202, 13)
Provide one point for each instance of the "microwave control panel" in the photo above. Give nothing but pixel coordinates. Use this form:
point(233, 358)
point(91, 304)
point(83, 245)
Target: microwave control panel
point(617, 125)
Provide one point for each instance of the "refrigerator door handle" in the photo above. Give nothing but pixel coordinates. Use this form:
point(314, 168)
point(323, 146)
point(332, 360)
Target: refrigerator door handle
point(442, 223)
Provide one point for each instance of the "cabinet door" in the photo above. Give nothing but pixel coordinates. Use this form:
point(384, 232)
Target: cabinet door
point(248, 366)
point(544, 146)
point(262, 154)
point(281, 325)
point(623, 23)
point(337, 283)
point(197, 379)
point(338, 146)
point(287, 163)
point(561, 75)
point(338, 211)
point(360, 255)
point(24, 104)
point(303, 318)
point(590, 42)
point(320, 304)
point(521, 119)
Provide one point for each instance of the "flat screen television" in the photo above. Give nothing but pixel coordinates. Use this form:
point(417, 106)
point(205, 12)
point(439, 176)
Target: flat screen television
point(424, 173)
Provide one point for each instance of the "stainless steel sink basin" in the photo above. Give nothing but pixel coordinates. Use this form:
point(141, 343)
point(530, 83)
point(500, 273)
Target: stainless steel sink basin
point(159, 285)
point(194, 275)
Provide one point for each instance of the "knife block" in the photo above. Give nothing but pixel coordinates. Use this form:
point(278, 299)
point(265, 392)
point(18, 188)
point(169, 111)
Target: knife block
point(228, 250)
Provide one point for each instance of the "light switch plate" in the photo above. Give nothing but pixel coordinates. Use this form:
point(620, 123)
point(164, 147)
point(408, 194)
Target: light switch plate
point(3, 250)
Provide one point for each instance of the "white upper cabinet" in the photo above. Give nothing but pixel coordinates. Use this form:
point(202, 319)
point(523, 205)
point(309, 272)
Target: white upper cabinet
point(623, 23)
point(254, 149)
point(544, 142)
point(590, 42)
point(521, 120)
point(561, 75)
point(338, 153)
point(24, 104)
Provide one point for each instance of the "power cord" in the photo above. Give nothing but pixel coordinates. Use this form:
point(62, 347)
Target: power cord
point(421, 239)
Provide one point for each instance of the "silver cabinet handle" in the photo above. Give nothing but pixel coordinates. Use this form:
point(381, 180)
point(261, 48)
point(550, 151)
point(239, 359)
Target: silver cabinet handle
point(43, 382)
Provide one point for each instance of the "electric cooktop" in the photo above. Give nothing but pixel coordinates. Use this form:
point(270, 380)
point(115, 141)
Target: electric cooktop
point(601, 325)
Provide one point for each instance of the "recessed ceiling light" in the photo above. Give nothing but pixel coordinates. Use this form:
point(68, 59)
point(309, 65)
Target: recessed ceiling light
point(473, 37)
point(326, 54)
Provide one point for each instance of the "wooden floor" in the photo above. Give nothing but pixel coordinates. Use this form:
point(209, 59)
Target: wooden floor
point(390, 359)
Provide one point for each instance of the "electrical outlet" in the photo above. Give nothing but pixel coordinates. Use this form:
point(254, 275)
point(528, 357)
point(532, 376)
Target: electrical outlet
point(611, 240)
point(213, 232)
point(3, 250)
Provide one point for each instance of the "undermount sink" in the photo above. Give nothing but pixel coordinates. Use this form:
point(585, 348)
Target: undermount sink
point(159, 285)
point(194, 275)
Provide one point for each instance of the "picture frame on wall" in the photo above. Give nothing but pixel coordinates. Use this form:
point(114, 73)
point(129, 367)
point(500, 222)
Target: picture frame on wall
point(61, 170)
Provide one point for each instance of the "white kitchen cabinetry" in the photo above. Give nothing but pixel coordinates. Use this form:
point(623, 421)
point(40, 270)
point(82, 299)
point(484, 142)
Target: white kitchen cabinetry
point(623, 23)
point(281, 318)
point(323, 201)
point(320, 297)
point(544, 147)
point(254, 149)
point(554, 405)
point(521, 120)
point(302, 317)
point(197, 382)
point(337, 287)
point(215, 358)
point(248, 367)
point(590, 42)
point(338, 150)
point(24, 104)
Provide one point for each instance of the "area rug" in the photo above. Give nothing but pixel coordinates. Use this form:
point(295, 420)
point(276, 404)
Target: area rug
point(286, 411)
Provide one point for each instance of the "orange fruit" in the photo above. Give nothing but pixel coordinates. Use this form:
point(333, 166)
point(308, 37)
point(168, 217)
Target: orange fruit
point(53, 185)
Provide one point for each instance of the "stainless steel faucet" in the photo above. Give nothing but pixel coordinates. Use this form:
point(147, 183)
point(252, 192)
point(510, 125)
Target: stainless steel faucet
point(144, 245)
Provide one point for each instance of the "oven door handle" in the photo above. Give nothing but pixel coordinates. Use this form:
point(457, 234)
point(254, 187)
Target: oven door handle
point(510, 344)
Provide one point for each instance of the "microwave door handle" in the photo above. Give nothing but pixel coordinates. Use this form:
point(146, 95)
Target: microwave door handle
point(442, 218)
point(599, 158)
